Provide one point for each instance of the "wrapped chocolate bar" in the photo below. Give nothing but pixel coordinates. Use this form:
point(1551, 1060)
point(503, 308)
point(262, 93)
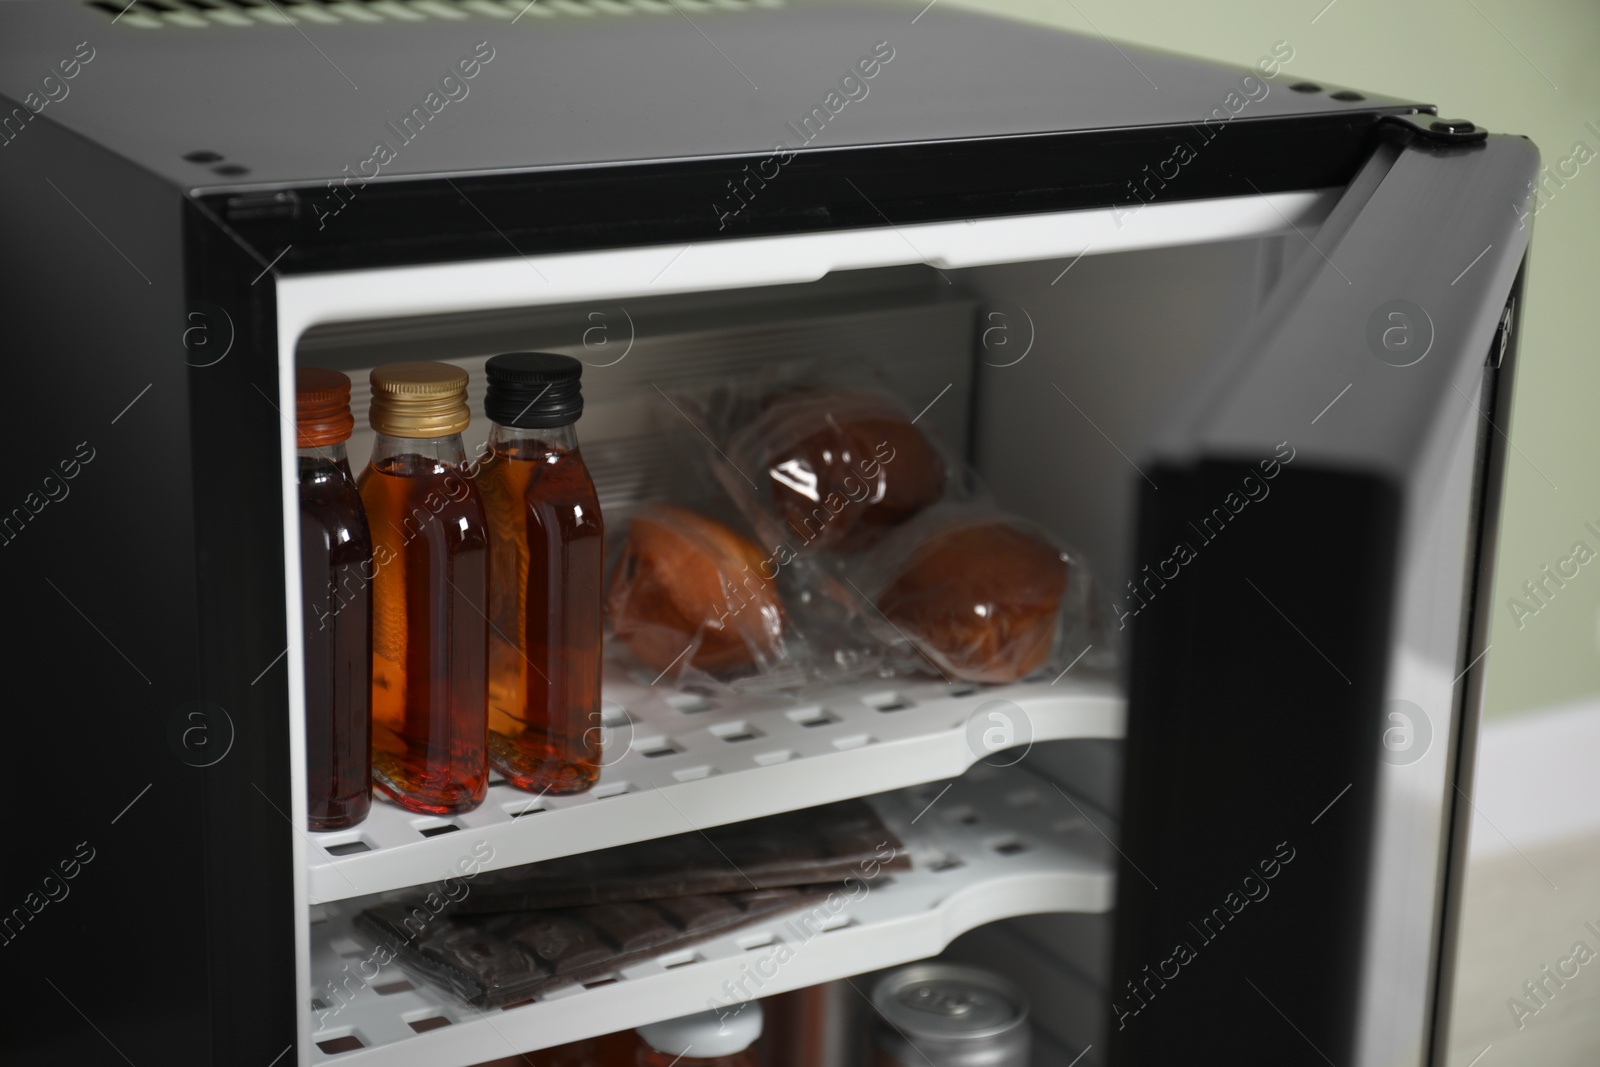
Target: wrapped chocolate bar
point(831, 843)
point(524, 930)
point(497, 960)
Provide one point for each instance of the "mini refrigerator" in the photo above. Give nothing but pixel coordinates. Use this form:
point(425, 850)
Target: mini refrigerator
point(1243, 337)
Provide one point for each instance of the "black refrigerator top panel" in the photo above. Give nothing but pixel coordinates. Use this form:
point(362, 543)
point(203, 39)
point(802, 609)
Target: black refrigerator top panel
point(594, 123)
point(294, 104)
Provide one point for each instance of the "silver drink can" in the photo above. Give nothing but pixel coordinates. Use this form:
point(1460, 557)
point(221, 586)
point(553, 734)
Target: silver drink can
point(948, 1015)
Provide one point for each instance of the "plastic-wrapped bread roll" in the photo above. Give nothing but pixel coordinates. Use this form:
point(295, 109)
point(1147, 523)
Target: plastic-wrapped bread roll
point(981, 597)
point(841, 468)
point(689, 591)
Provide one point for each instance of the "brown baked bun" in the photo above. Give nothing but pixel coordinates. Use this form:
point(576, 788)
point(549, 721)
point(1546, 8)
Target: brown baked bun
point(841, 468)
point(980, 599)
point(689, 590)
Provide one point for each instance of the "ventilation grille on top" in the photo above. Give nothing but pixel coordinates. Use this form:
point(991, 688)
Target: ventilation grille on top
point(199, 14)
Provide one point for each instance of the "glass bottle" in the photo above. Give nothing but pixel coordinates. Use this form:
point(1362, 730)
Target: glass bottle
point(724, 1038)
point(547, 561)
point(336, 606)
point(430, 552)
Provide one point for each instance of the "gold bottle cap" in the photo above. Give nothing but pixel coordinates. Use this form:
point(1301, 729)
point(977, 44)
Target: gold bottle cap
point(419, 400)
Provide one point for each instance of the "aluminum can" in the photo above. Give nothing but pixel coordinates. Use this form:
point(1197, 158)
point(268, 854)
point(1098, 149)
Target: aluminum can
point(949, 1015)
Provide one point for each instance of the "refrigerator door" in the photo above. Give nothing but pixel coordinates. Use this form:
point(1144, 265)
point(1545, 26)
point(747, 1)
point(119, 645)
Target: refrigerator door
point(1309, 552)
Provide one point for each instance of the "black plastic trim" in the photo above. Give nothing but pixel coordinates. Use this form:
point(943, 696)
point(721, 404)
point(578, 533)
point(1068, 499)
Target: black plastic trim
point(354, 226)
point(235, 421)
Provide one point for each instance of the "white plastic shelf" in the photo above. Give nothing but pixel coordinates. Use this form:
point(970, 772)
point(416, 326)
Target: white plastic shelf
point(678, 762)
point(998, 843)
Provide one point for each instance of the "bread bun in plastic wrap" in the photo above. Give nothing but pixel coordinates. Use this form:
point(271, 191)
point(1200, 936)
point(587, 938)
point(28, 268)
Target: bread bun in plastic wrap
point(979, 597)
point(838, 468)
point(688, 591)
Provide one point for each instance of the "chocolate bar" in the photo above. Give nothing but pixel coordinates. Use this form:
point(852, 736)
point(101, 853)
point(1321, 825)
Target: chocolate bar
point(495, 960)
point(808, 847)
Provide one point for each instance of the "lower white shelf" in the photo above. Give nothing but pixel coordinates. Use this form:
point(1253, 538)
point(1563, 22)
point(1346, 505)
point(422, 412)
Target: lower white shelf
point(994, 844)
point(677, 762)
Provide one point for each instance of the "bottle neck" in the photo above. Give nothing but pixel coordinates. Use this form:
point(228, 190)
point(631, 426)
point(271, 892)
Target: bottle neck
point(421, 455)
point(323, 463)
point(329, 454)
point(517, 442)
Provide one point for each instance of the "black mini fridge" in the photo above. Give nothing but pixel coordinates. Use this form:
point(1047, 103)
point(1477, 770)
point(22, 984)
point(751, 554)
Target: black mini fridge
point(1243, 337)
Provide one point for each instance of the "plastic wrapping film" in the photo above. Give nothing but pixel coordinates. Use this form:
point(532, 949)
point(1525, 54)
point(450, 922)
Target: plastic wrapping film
point(687, 595)
point(527, 930)
point(695, 602)
point(978, 594)
point(741, 588)
point(809, 846)
point(492, 961)
point(837, 469)
point(881, 531)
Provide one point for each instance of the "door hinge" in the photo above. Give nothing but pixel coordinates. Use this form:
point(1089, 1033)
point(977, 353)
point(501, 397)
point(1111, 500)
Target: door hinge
point(1438, 130)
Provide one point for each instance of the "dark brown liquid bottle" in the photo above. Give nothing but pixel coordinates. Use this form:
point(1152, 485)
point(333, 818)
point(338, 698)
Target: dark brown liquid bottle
point(430, 633)
point(336, 606)
point(547, 550)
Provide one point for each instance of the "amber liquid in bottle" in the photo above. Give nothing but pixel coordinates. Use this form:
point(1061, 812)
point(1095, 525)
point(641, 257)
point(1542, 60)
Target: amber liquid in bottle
point(336, 608)
point(429, 634)
point(547, 567)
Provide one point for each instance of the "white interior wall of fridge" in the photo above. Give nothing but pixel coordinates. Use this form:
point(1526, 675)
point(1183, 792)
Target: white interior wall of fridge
point(1043, 350)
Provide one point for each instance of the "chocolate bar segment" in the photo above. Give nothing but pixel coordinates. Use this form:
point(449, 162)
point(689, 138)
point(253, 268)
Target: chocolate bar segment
point(695, 914)
point(492, 961)
point(807, 847)
point(629, 926)
point(409, 921)
point(565, 944)
point(487, 959)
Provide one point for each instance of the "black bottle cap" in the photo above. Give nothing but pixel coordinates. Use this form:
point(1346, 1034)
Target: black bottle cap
point(533, 390)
